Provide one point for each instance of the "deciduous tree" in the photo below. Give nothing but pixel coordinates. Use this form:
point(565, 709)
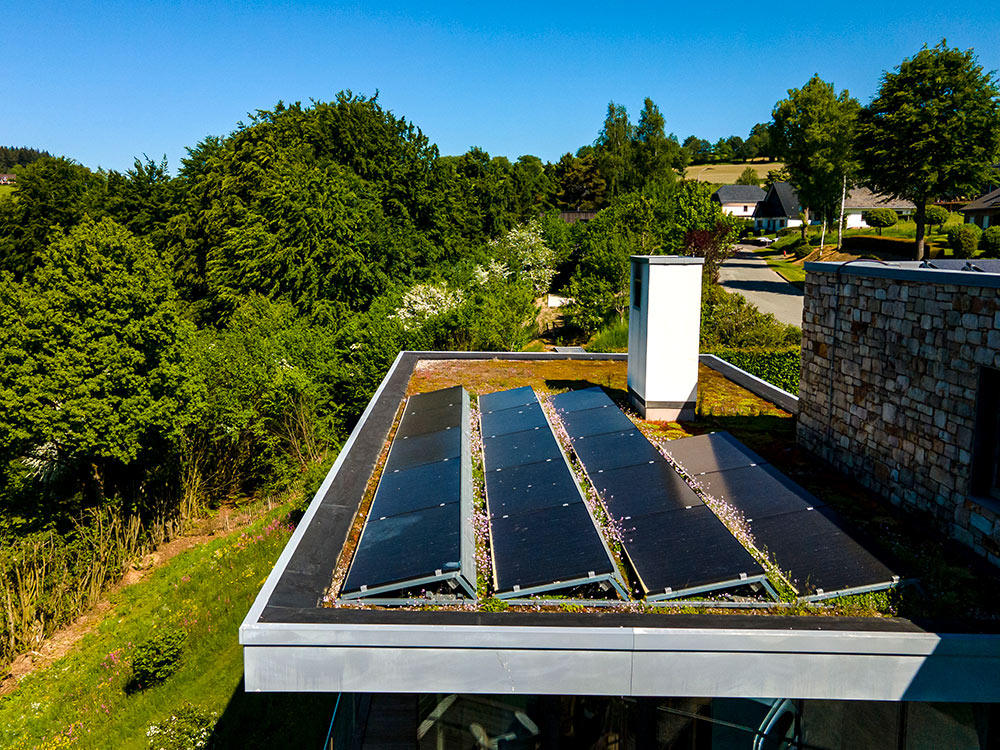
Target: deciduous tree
point(932, 129)
point(813, 130)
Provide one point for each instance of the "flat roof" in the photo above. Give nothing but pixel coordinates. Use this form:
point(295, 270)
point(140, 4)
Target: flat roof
point(292, 642)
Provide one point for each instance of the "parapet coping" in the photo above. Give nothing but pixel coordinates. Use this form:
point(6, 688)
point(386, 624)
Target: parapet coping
point(899, 272)
point(667, 260)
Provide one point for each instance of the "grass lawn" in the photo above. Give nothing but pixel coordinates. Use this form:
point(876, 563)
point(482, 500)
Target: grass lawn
point(787, 268)
point(81, 700)
point(6, 190)
point(726, 174)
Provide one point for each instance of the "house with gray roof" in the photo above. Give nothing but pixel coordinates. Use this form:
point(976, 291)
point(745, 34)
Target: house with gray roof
point(984, 211)
point(779, 209)
point(739, 200)
point(861, 199)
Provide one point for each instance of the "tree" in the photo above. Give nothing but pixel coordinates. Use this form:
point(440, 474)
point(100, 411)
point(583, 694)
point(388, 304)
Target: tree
point(758, 143)
point(880, 218)
point(656, 155)
point(749, 176)
point(932, 129)
point(936, 216)
point(813, 129)
point(776, 175)
point(92, 358)
point(613, 149)
point(50, 193)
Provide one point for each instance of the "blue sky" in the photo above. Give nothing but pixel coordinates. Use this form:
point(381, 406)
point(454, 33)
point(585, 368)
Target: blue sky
point(106, 82)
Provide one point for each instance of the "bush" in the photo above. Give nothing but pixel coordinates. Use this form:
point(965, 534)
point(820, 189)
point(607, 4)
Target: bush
point(989, 243)
point(730, 321)
point(188, 729)
point(156, 658)
point(613, 338)
point(778, 366)
point(936, 216)
point(963, 239)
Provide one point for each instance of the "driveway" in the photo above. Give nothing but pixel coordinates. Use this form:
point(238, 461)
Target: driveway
point(748, 274)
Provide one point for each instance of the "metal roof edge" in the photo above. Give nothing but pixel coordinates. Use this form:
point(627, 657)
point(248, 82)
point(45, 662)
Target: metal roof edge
point(896, 273)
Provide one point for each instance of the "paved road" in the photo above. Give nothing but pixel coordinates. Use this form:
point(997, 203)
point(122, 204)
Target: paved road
point(748, 274)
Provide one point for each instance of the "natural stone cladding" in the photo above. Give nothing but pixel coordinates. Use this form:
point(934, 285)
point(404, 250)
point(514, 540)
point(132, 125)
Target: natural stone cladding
point(905, 358)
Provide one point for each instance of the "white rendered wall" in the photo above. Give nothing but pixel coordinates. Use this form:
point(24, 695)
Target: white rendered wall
point(663, 338)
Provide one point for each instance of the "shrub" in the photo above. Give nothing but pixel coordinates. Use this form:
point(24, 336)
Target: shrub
point(187, 729)
point(156, 658)
point(880, 218)
point(963, 239)
point(989, 243)
point(936, 216)
point(779, 366)
point(613, 338)
point(730, 321)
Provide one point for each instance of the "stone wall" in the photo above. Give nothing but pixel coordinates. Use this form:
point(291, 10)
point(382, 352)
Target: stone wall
point(905, 349)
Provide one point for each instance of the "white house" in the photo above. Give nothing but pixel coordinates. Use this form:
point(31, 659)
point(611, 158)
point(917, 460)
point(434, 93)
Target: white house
point(739, 200)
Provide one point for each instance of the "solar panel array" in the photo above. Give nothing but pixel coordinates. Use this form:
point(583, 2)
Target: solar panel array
point(542, 534)
point(805, 539)
point(675, 544)
point(419, 531)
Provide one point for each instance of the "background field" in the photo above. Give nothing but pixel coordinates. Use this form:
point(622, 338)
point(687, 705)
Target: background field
point(6, 190)
point(726, 174)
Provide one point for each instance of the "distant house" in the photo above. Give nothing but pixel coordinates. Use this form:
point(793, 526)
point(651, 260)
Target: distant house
point(861, 199)
point(8, 179)
point(739, 200)
point(572, 217)
point(779, 209)
point(984, 211)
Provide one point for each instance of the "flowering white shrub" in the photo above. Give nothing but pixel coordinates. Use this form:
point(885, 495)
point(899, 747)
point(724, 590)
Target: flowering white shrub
point(524, 250)
point(426, 301)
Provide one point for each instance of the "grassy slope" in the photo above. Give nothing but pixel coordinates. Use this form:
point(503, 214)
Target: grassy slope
point(726, 174)
point(81, 701)
point(6, 190)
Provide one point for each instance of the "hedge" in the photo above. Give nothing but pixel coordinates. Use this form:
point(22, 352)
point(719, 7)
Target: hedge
point(778, 367)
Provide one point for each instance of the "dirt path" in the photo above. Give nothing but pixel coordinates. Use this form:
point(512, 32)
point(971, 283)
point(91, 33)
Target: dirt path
point(62, 641)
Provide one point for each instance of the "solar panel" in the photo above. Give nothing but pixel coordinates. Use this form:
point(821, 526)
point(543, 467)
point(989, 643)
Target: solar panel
point(454, 396)
point(408, 451)
point(716, 451)
point(543, 548)
point(596, 421)
point(507, 399)
point(676, 544)
point(639, 490)
point(406, 490)
point(409, 547)
point(528, 487)
point(683, 552)
point(419, 529)
point(615, 450)
point(529, 446)
point(420, 421)
point(820, 555)
point(542, 535)
point(515, 419)
point(758, 491)
point(584, 398)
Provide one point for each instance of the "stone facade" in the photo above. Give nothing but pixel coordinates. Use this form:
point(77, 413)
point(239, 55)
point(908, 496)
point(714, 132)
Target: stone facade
point(891, 365)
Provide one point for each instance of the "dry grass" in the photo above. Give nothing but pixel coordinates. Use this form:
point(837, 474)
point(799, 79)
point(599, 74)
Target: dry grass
point(727, 174)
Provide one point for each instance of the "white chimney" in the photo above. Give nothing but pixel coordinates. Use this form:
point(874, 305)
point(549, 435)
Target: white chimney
point(663, 334)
